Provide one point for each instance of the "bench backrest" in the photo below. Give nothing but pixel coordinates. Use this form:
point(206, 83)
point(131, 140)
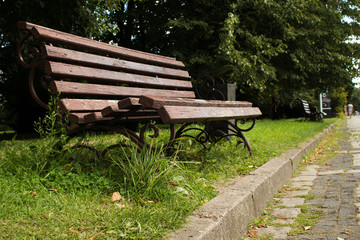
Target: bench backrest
point(306, 106)
point(82, 68)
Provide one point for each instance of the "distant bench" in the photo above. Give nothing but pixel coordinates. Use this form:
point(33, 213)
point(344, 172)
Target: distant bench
point(312, 113)
point(112, 88)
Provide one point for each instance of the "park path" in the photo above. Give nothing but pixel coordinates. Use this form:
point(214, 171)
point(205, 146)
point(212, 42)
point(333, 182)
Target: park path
point(336, 187)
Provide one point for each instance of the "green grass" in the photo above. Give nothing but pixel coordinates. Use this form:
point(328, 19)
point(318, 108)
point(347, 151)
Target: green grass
point(305, 220)
point(55, 194)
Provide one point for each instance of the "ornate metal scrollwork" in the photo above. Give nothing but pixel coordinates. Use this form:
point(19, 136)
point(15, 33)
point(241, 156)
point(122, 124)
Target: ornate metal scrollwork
point(207, 139)
point(242, 121)
point(97, 153)
point(206, 86)
point(43, 83)
point(146, 127)
point(235, 130)
point(212, 87)
point(202, 137)
point(138, 139)
point(118, 145)
point(30, 57)
point(32, 54)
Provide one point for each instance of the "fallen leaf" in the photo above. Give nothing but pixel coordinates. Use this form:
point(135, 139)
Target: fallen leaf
point(33, 194)
point(67, 165)
point(252, 233)
point(92, 238)
point(116, 197)
point(71, 230)
point(45, 215)
point(53, 190)
point(150, 201)
point(205, 201)
point(120, 205)
point(307, 228)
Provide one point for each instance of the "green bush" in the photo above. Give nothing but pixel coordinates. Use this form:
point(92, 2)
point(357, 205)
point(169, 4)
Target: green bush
point(339, 100)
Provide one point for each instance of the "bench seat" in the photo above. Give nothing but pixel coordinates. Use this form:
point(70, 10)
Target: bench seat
point(179, 110)
point(157, 102)
point(186, 114)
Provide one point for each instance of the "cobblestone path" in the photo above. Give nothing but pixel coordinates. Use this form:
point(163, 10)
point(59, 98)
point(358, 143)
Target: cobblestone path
point(336, 187)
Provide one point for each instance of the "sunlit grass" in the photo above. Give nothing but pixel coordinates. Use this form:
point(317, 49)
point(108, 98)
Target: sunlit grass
point(51, 193)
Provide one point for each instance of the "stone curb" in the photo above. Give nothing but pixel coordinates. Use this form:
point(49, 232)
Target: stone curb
point(226, 216)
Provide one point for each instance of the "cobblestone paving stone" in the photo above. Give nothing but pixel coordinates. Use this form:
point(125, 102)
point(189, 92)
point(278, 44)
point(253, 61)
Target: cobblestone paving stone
point(336, 190)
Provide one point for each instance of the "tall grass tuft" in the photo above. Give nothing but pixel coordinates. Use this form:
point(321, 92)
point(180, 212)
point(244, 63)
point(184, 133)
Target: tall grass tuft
point(51, 126)
point(144, 172)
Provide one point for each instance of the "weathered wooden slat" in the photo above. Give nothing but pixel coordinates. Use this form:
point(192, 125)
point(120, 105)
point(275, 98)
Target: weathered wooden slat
point(112, 111)
point(158, 102)
point(93, 117)
point(92, 90)
point(77, 118)
point(84, 105)
point(25, 25)
point(97, 116)
point(62, 70)
point(58, 37)
point(81, 58)
point(181, 114)
point(88, 105)
point(129, 103)
point(115, 110)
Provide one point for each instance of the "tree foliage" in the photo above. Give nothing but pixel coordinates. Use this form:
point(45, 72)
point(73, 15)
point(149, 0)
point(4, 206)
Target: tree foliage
point(186, 29)
point(283, 48)
point(279, 49)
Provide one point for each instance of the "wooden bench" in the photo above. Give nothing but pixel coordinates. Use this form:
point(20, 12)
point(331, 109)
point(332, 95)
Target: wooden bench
point(110, 87)
point(312, 113)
